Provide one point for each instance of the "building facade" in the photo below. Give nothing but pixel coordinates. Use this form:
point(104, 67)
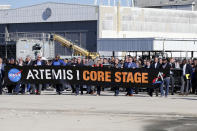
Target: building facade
point(77, 23)
point(103, 29)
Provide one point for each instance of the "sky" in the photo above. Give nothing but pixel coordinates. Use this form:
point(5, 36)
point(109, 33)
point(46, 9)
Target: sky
point(22, 3)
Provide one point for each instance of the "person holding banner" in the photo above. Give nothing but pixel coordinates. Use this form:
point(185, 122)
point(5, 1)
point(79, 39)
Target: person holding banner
point(28, 62)
point(38, 62)
point(58, 62)
point(11, 87)
point(20, 85)
point(78, 87)
point(1, 75)
point(166, 80)
point(116, 64)
point(1, 81)
point(131, 65)
point(98, 64)
point(155, 65)
point(194, 81)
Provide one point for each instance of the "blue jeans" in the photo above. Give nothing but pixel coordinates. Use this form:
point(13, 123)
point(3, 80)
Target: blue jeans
point(116, 91)
point(1, 86)
point(17, 88)
point(28, 87)
point(98, 90)
point(77, 88)
point(166, 81)
point(58, 88)
point(130, 91)
point(88, 89)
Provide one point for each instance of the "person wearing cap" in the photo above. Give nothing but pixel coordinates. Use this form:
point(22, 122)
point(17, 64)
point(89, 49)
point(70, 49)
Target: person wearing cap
point(166, 80)
point(38, 62)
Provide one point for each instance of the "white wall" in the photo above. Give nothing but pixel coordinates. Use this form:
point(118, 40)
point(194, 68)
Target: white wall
point(24, 48)
point(145, 22)
point(167, 45)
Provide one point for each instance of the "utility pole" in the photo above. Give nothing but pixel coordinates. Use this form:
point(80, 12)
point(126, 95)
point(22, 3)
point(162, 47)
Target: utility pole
point(127, 2)
point(95, 2)
point(132, 2)
point(193, 6)
point(118, 17)
point(109, 2)
point(6, 40)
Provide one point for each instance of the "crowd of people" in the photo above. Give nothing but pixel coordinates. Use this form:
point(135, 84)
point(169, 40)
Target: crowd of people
point(188, 75)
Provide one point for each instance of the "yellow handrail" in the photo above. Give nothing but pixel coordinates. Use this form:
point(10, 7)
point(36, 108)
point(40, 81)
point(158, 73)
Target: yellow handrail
point(76, 48)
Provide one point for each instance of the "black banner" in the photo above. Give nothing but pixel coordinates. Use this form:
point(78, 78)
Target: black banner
point(104, 76)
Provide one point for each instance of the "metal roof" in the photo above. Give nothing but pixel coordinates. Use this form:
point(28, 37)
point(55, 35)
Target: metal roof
point(49, 12)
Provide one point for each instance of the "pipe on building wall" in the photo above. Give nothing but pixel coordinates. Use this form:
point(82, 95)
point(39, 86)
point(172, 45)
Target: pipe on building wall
point(118, 17)
point(132, 2)
point(109, 2)
point(193, 6)
point(6, 41)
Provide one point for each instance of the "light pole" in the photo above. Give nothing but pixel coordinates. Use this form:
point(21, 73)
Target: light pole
point(6, 52)
point(6, 40)
point(163, 47)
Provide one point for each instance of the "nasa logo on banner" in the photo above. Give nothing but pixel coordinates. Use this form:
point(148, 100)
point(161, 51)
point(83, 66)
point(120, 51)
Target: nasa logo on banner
point(14, 75)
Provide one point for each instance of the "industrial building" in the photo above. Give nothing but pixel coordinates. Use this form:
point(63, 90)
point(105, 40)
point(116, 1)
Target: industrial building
point(108, 30)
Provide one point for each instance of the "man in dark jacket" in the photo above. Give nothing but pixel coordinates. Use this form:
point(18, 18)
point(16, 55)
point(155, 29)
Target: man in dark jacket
point(117, 65)
point(28, 61)
point(11, 87)
point(39, 61)
point(186, 77)
point(172, 66)
point(78, 87)
point(155, 65)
